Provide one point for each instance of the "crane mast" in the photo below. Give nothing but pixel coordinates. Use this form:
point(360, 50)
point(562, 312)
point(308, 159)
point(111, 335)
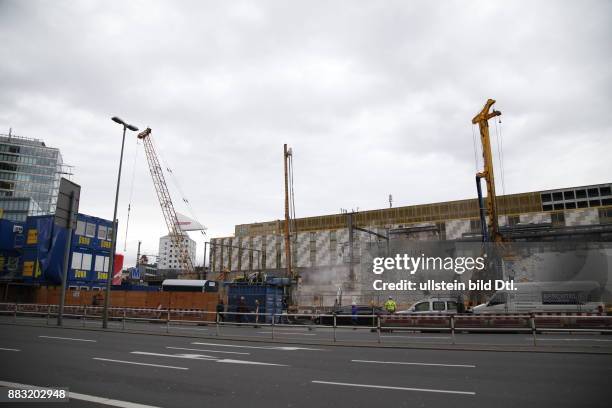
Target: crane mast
point(482, 119)
point(177, 236)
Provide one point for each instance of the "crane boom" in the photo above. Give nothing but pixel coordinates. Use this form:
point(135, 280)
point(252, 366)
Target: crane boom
point(177, 235)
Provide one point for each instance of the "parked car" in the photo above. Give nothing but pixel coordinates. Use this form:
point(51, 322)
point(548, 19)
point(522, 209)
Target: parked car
point(366, 316)
point(433, 305)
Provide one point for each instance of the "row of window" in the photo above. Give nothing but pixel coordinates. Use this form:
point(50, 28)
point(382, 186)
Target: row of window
point(26, 168)
point(13, 158)
point(5, 175)
point(82, 261)
point(593, 192)
point(15, 205)
point(577, 204)
point(29, 150)
point(88, 229)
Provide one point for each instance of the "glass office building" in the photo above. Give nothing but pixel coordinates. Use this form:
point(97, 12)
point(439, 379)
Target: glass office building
point(29, 177)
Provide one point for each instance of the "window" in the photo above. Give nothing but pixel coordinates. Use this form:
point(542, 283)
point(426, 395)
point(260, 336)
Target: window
point(569, 206)
point(438, 306)
point(558, 196)
point(580, 193)
point(582, 204)
point(90, 230)
point(451, 305)
point(101, 232)
point(593, 192)
point(81, 261)
point(605, 191)
point(101, 261)
point(546, 197)
point(568, 195)
point(77, 258)
point(421, 307)
point(594, 203)
point(80, 228)
point(86, 264)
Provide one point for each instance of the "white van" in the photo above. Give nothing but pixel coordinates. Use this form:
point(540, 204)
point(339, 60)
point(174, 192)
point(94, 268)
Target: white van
point(433, 305)
point(531, 297)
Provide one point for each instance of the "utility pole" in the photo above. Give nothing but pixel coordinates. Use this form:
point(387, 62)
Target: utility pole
point(287, 153)
point(351, 240)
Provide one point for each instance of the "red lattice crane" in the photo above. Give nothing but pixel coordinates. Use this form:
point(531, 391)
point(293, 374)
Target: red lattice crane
point(177, 235)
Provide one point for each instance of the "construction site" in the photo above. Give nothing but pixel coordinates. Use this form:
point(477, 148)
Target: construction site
point(321, 263)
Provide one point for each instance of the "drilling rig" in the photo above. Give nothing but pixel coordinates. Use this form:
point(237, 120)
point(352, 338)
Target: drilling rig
point(178, 237)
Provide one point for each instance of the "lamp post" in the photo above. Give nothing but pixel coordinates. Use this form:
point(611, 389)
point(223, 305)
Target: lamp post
point(111, 266)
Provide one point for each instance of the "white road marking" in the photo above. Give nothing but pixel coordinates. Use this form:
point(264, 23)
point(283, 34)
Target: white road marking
point(8, 349)
point(420, 337)
point(187, 356)
point(541, 339)
point(229, 361)
point(286, 332)
point(83, 397)
point(136, 363)
point(387, 387)
point(207, 358)
point(283, 348)
point(67, 338)
point(419, 364)
point(208, 351)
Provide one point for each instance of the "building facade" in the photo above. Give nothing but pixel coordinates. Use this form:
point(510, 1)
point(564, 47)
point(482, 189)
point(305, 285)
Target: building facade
point(30, 173)
point(321, 245)
point(169, 255)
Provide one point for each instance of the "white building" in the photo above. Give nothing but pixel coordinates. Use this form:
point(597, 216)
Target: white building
point(169, 258)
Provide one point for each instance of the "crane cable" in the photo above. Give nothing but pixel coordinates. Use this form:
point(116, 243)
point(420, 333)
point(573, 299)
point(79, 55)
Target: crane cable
point(127, 222)
point(475, 148)
point(177, 185)
point(500, 154)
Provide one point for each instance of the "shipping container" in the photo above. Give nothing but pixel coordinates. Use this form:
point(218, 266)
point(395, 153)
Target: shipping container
point(270, 298)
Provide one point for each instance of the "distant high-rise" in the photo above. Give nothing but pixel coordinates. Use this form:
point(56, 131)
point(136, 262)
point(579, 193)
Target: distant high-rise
point(29, 177)
point(169, 255)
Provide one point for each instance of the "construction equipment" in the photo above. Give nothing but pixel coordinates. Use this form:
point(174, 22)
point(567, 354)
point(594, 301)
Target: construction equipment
point(179, 239)
point(482, 119)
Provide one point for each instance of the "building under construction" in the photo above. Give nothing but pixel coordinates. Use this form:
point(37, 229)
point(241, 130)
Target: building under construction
point(321, 246)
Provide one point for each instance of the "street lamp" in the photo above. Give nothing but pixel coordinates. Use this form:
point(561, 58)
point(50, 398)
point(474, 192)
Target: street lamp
point(111, 266)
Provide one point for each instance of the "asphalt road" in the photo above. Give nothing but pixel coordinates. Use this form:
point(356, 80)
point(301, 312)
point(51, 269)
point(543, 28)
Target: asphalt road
point(169, 371)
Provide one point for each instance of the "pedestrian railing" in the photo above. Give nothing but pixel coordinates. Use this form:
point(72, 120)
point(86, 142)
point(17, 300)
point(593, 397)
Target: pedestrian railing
point(224, 322)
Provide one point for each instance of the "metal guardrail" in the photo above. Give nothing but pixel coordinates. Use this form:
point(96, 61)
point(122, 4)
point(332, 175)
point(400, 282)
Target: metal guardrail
point(450, 323)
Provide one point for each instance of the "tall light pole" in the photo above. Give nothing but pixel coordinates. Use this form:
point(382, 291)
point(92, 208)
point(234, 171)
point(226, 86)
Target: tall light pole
point(111, 266)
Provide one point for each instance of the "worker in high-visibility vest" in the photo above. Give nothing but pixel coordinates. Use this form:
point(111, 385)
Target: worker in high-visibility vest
point(390, 305)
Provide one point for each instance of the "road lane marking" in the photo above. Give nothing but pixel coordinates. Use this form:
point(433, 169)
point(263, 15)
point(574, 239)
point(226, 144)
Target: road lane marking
point(286, 332)
point(419, 364)
point(387, 387)
point(282, 348)
point(208, 351)
point(136, 363)
point(8, 349)
point(541, 339)
point(420, 337)
point(83, 397)
point(207, 358)
point(67, 338)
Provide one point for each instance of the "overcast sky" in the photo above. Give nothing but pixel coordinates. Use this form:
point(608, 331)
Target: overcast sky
point(374, 97)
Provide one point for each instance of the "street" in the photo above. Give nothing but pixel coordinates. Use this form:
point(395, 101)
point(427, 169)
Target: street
point(169, 371)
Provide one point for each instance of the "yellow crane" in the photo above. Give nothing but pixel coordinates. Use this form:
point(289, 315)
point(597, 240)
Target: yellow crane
point(482, 119)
